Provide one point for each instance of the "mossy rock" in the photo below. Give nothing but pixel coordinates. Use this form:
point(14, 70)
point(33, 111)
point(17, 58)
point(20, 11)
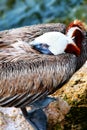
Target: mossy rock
point(76, 119)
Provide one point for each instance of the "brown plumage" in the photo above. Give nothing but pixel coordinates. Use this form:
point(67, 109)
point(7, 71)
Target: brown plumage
point(29, 76)
point(26, 75)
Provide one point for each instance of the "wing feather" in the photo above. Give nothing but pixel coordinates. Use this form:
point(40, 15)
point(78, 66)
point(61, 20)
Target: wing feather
point(28, 76)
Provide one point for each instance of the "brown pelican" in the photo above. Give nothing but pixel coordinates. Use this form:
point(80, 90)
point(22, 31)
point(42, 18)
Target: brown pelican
point(29, 72)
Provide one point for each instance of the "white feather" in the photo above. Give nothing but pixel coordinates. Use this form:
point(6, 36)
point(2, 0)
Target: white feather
point(71, 30)
point(57, 41)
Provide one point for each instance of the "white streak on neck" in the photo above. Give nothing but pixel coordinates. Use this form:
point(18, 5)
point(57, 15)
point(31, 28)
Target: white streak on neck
point(71, 30)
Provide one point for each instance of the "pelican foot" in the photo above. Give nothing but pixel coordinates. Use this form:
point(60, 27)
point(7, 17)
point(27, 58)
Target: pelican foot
point(42, 103)
point(36, 118)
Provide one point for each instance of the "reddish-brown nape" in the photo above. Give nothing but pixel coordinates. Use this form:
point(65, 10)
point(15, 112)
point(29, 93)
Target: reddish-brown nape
point(72, 49)
point(76, 23)
point(75, 30)
point(78, 37)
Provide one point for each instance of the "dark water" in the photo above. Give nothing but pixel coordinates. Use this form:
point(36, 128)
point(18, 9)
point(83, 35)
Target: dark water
point(17, 13)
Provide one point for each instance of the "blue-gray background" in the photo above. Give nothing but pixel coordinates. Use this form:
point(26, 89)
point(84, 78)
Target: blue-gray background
point(18, 13)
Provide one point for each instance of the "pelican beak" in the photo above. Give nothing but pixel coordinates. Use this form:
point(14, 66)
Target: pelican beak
point(42, 48)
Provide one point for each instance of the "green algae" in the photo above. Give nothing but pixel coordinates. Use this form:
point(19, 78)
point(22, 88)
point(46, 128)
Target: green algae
point(76, 119)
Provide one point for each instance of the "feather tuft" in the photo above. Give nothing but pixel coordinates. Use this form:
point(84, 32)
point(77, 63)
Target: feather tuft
point(76, 23)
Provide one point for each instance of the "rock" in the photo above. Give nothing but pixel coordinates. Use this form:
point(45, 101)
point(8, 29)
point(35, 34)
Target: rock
point(56, 112)
point(12, 119)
